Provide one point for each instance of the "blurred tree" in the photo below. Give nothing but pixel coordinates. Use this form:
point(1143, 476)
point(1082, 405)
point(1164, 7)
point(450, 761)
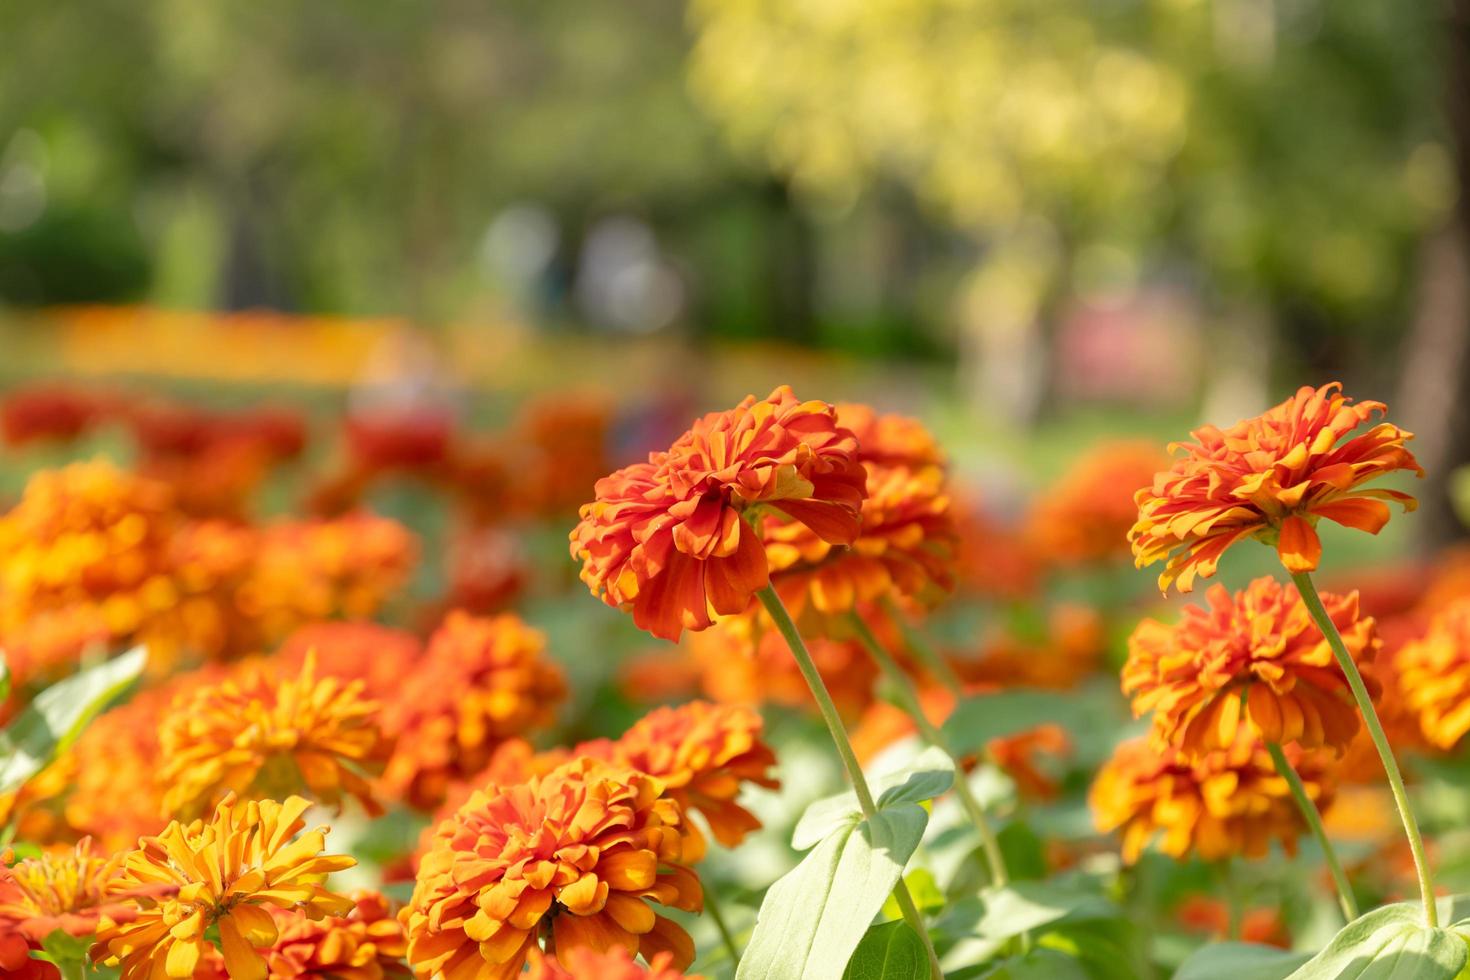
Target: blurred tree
point(1280, 151)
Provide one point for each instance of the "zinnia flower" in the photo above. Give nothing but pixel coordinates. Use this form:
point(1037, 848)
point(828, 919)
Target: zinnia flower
point(58, 891)
point(703, 754)
point(579, 853)
point(908, 545)
point(226, 871)
point(1228, 802)
point(1271, 477)
point(583, 963)
point(1434, 676)
point(481, 681)
point(669, 539)
point(265, 736)
point(1069, 650)
point(369, 943)
point(1256, 657)
point(48, 412)
point(378, 656)
point(563, 443)
point(1085, 516)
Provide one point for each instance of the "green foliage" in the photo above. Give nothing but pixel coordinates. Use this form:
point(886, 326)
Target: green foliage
point(1239, 961)
point(891, 951)
point(58, 714)
point(976, 720)
point(814, 918)
point(1388, 943)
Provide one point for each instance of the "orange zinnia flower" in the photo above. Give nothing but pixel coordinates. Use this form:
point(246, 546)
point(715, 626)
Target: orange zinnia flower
point(481, 681)
point(703, 754)
point(224, 873)
point(1270, 477)
point(369, 943)
point(1229, 802)
point(669, 539)
point(259, 735)
point(614, 964)
point(1069, 651)
point(1211, 917)
point(578, 853)
point(1085, 516)
point(908, 545)
point(1434, 676)
point(378, 656)
point(1256, 657)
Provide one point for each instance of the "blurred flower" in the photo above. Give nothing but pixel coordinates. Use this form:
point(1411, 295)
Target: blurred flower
point(481, 681)
point(260, 735)
point(668, 539)
point(48, 412)
point(578, 853)
point(908, 543)
point(16, 960)
point(1434, 676)
point(1229, 802)
point(1255, 657)
point(584, 963)
point(487, 569)
point(995, 560)
point(1069, 651)
point(378, 656)
point(1211, 917)
point(703, 754)
point(666, 673)
point(226, 871)
point(884, 724)
point(564, 441)
point(63, 891)
point(84, 557)
point(307, 571)
point(387, 441)
point(369, 943)
point(1270, 477)
point(1085, 516)
point(744, 662)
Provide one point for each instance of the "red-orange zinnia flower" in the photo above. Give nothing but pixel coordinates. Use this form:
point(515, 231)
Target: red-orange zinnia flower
point(1271, 477)
point(1255, 657)
point(368, 943)
point(1434, 676)
point(1228, 802)
point(1085, 516)
point(703, 753)
point(579, 853)
point(668, 539)
point(481, 681)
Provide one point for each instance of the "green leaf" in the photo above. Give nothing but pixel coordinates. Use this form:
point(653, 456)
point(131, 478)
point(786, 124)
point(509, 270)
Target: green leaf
point(4, 678)
point(928, 776)
point(977, 720)
point(1024, 906)
point(815, 916)
point(1390, 943)
point(1240, 961)
point(1039, 964)
point(57, 716)
point(891, 951)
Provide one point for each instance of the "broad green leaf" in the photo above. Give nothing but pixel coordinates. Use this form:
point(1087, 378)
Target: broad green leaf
point(977, 720)
point(891, 951)
point(57, 716)
point(1024, 906)
point(1039, 964)
point(928, 776)
point(1240, 961)
point(1390, 943)
point(815, 916)
point(924, 891)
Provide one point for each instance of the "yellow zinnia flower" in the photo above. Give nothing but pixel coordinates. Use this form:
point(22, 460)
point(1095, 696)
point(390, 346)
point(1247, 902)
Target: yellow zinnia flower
point(221, 874)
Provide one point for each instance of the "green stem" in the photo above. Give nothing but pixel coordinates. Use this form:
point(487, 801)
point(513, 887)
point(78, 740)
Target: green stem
point(919, 645)
point(1234, 913)
point(712, 906)
point(1324, 622)
point(777, 611)
point(1309, 810)
point(933, 736)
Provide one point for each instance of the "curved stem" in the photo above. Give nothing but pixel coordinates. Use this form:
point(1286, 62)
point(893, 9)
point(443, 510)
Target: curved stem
point(1324, 622)
point(777, 610)
point(933, 736)
point(712, 906)
point(923, 650)
point(1345, 898)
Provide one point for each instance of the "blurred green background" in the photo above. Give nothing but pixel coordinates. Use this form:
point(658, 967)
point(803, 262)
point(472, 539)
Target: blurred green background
point(1095, 211)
